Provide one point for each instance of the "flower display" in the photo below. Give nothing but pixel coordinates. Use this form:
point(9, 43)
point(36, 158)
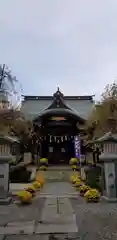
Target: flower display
point(36, 185)
point(74, 179)
point(43, 161)
point(83, 189)
point(31, 190)
point(78, 184)
point(40, 180)
point(73, 161)
point(74, 167)
point(92, 195)
point(25, 197)
point(43, 168)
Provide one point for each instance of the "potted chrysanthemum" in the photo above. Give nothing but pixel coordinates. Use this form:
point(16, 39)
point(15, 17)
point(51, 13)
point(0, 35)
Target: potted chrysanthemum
point(74, 179)
point(40, 180)
point(92, 195)
point(43, 164)
point(83, 189)
point(31, 190)
point(77, 184)
point(44, 161)
point(43, 168)
point(73, 161)
point(25, 197)
point(36, 185)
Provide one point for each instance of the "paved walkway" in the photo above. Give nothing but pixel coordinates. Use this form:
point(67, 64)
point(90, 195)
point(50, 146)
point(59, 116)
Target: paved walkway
point(61, 189)
point(58, 217)
point(65, 217)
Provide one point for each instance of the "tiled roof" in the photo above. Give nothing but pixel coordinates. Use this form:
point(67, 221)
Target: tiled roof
point(27, 97)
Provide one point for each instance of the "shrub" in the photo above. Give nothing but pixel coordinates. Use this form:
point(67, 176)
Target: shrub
point(25, 197)
point(92, 195)
point(83, 189)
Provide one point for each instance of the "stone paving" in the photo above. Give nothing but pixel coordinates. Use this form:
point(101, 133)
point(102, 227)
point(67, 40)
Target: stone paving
point(58, 215)
point(95, 220)
point(58, 189)
point(73, 218)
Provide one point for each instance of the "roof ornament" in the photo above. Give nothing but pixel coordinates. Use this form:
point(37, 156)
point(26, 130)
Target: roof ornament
point(58, 91)
point(58, 94)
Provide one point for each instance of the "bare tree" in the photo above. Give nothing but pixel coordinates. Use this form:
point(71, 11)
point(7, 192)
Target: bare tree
point(10, 86)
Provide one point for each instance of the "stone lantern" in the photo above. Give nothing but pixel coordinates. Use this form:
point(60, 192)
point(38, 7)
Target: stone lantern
point(109, 159)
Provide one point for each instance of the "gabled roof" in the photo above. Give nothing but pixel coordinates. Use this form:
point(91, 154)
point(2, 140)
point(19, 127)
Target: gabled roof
point(37, 98)
point(59, 112)
point(59, 107)
point(58, 101)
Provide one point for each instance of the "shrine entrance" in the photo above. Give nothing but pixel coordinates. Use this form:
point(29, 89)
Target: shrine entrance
point(58, 151)
point(56, 127)
point(57, 138)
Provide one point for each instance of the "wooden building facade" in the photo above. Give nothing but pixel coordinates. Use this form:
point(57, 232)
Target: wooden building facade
point(57, 123)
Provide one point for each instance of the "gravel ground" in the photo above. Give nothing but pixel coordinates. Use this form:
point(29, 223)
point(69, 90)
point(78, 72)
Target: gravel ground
point(96, 221)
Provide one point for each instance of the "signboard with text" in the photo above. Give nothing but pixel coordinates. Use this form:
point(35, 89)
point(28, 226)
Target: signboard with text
point(77, 146)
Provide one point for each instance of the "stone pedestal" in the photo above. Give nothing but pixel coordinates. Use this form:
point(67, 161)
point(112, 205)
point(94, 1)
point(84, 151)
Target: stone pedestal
point(110, 175)
point(4, 179)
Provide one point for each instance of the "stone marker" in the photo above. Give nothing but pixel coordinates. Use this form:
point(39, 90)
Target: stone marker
point(4, 179)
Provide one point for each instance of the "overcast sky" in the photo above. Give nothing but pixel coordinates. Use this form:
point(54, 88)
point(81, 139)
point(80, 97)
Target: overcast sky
point(67, 43)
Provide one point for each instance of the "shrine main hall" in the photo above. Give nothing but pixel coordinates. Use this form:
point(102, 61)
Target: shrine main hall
point(58, 119)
